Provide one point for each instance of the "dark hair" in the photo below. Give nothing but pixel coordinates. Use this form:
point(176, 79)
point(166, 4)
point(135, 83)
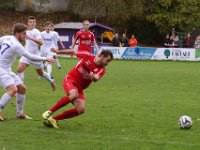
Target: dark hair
point(85, 20)
point(47, 23)
point(106, 53)
point(19, 27)
point(31, 17)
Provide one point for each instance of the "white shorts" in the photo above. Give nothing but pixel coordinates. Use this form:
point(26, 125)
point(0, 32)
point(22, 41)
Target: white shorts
point(47, 53)
point(9, 78)
point(36, 64)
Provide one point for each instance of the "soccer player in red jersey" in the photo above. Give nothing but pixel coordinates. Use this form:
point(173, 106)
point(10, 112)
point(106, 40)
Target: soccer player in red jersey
point(86, 39)
point(89, 69)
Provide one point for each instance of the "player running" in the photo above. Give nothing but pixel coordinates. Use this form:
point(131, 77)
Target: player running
point(89, 69)
point(56, 39)
point(86, 39)
point(33, 40)
point(10, 49)
point(48, 43)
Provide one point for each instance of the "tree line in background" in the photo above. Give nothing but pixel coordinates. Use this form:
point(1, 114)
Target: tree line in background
point(147, 19)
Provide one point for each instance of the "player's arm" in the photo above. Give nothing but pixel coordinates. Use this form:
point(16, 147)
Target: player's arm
point(84, 55)
point(21, 51)
point(96, 47)
point(95, 44)
point(73, 44)
point(61, 43)
point(97, 76)
point(59, 40)
point(94, 77)
point(38, 41)
point(37, 58)
point(66, 51)
point(75, 39)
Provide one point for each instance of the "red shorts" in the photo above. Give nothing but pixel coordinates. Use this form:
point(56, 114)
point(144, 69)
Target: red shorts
point(69, 84)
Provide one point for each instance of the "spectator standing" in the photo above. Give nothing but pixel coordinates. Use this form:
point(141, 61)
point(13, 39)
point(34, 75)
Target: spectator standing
point(166, 41)
point(124, 40)
point(133, 41)
point(115, 40)
point(197, 42)
point(176, 41)
point(171, 40)
point(188, 40)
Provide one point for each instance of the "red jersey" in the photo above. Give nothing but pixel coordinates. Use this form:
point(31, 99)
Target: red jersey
point(86, 39)
point(80, 73)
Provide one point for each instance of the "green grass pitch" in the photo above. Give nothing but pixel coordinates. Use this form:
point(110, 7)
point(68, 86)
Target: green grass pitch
point(135, 106)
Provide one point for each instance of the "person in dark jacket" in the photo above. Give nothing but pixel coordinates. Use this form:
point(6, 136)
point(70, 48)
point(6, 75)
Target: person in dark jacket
point(166, 41)
point(124, 40)
point(115, 40)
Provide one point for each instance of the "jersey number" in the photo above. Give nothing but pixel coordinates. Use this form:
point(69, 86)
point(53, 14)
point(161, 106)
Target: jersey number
point(4, 47)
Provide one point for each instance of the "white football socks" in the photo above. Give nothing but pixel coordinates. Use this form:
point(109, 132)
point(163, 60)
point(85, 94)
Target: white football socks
point(20, 99)
point(43, 65)
point(4, 100)
point(21, 76)
point(57, 63)
point(48, 77)
point(49, 68)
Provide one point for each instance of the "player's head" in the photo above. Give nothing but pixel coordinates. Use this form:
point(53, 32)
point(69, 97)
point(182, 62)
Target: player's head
point(19, 31)
point(116, 35)
point(105, 57)
point(31, 22)
point(52, 27)
point(48, 26)
point(86, 25)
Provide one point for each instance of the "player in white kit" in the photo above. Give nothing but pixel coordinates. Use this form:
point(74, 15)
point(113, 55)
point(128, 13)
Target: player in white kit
point(48, 44)
point(33, 40)
point(10, 49)
point(56, 40)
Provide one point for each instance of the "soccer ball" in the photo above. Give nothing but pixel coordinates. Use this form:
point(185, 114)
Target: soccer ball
point(185, 122)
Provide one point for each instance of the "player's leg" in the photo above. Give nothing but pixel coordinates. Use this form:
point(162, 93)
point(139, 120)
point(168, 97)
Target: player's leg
point(44, 74)
point(73, 94)
point(77, 110)
point(6, 97)
point(49, 65)
point(49, 68)
point(23, 64)
point(51, 121)
point(20, 100)
point(44, 65)
point(57, 62)
point(7, 82)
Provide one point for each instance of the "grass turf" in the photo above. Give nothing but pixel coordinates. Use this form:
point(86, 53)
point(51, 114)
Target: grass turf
point(136, 105)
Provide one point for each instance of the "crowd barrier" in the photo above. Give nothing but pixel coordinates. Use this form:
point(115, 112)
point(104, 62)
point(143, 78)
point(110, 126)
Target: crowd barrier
point(149, 53)
point(145, 53)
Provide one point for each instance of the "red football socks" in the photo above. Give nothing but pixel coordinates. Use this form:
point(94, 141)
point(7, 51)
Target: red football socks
point(62, 102)
point(66, 114)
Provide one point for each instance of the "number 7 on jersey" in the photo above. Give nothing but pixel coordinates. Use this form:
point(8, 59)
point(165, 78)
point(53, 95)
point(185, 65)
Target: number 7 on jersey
point(4, 47)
